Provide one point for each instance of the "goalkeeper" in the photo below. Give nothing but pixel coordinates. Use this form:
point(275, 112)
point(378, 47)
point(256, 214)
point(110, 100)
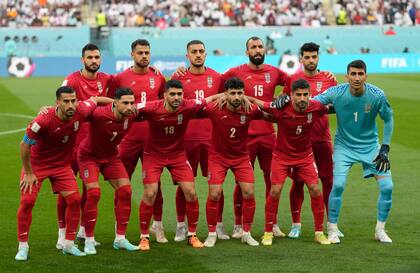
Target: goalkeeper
point(357, 105)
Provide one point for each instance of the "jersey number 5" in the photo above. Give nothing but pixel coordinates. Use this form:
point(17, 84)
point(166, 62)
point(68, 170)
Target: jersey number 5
point(299, 130)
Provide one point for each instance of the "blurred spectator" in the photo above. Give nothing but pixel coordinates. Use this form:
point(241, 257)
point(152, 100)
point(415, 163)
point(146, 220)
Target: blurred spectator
point(218, 52)
point(10, 46)
point(364, 50)
point(406, 50)
point(288, 33)
point(100, 23)
point(329, 46)
point(390, 31)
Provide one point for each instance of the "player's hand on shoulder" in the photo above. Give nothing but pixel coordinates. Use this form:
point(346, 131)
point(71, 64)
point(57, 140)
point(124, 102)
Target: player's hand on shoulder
point(381, 160)
point(329, 75)
point(280, 102)
point(26, 184)
point(155, 70)
point(180, 71)
point(221, 101)
point(247, 104)
point(44, 110)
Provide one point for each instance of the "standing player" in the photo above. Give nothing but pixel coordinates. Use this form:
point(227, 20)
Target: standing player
point(229, 151)
point(320, 133)
point(87, 82)
point(98, 153)
point(198, 82)
point(293, 151)
point(357, 104)
point(260, 82)
point(46, 153)
point(168, 121)
point(147, 86)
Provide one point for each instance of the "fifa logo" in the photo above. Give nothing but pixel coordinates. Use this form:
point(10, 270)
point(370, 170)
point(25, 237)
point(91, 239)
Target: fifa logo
point(76, 125)
point(309, 116)
point(152, 83)
point(318, 87)
point(99, 84)
point(125, 124)
point(209, 82)
point(243, 119)
point(180, 118)
point(368, 107)
point(267, 77)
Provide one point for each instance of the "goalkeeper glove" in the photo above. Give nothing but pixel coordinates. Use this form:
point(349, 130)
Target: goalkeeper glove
point(382, 161)
point(280, 102)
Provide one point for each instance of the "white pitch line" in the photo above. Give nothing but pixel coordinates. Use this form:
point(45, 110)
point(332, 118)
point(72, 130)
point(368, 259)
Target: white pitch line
point(15, 116)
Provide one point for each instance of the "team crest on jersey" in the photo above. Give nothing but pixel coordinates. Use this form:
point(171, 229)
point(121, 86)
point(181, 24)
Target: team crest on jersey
point(267, 77)
point(243, 119)
point(76, 125)
point(318, 87)
point(368, 107)
point(309, 118)
point(125, 124)
point(209, 82)
point(99, 87)
point(152, 83)
point(86, 173)
point(180, 118)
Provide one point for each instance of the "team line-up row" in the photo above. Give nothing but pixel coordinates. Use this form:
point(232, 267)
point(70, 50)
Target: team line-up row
point(217, 121)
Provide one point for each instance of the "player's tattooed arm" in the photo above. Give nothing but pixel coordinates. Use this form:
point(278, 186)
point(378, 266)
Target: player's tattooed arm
point(29, 178)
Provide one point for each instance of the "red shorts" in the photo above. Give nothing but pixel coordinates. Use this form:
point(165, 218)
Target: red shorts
point(241, 168)
point(130, 151)
point(177, 165)
point(303, 170)
point(323, 158)
point(62, 178)
point(90, 167)
point(262, 147)
point(198, 153)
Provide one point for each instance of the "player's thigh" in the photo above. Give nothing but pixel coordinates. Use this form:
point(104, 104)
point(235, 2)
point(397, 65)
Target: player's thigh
point(323, 158)
point(279, 171)
point(243, 171)
point(307, 172)
point(193, 150)
point(180, 169)
point(130, 151)
point(265, 151)
point(63, 180)
point(204, 157)
point(89, 170)
point(369, 168)
point(114, 170)
point(343, 159)
point(252, 148)
point(152, 168)
point(217, 171)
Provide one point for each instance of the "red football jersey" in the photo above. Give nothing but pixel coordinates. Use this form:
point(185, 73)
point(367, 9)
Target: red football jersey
point(230, 130)
point(294, 130)
point(85, 89)
point(105, 133)
point(167, 130)
point(55, 138)
point(318, 84)
point(260, 84)
point(146, 87)
point(200, 86)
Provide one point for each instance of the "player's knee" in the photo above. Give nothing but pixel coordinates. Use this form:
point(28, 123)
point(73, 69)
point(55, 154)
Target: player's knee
point(248, 193)
point(93, 195)
point(314, 191)
point(386, 187)
point(190, 194)
point(27, 201)
point(73, 200)
point(275, 191)
point(124, 192)
point(215, 195)
point(150, 195)
point(338, 185)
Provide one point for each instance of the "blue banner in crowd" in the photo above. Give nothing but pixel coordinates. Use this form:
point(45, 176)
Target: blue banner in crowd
point(62, 66)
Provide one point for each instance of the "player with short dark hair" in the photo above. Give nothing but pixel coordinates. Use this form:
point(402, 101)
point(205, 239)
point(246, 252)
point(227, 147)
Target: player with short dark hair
point(168, 120)
point(357, 105)
point(320, 134)
point(199, 81)
point(46, 152)
point(98, 153)
point(229, 151)
point(147, 86)
point(293, 155)
point(87, 82)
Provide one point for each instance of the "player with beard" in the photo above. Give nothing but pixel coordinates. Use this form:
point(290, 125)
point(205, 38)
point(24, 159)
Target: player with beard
point(146, 85)
point(320, 134)
point(87, 82)
point(260, 82)
point(199, 82)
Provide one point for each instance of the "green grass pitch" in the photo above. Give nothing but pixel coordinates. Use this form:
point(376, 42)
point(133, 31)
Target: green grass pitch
point(357, 253)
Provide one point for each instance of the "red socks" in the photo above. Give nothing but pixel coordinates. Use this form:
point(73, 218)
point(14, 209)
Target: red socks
point(220, 208)
point(317, 205)
point(91, 210)
point(123, 208)
point(61, 211)
point(72, 215)
point(271, 208)
point(211, 214)
point(248, 211)
point(145, 214)
point(180, 205)
point(158, 205)
point(237, 204)
point(192, 211)
point(327, 184)
point(296, 199)
point(24, 215)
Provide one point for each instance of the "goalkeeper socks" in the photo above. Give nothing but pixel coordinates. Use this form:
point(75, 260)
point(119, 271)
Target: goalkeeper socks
point(271, 207)
point(385, 198)
point(24, 214)
point(327, 184)
point(180, 205)
point(61, 211)
point(123, 208)
point(72, 215)
point(158, 205)
point(91, 210)
point(192, 211)
point(334, 202)
point(248, 211)
point(220, 208)
point(317, 205)
point(296, 199)
point(237, 204)
point(211, 214)
point(145, 214)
